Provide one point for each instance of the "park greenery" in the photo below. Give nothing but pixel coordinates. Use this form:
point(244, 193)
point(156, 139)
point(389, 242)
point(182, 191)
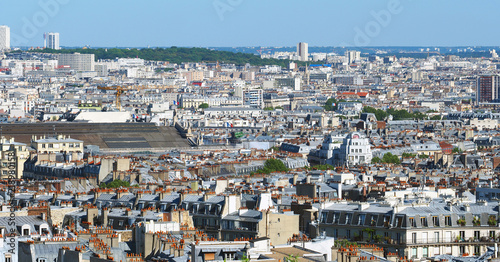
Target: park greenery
point(115, 184)
point(175, 54)
point(271, 165)
point(396, 114)
point(329, 105)
point(203, 105)
point(270, 108)
point(387, 158)
point(408, 155)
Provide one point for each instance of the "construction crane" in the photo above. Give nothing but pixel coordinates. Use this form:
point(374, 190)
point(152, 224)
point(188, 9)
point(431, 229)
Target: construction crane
point(121, 89)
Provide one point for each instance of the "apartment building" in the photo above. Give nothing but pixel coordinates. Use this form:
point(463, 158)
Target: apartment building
point(416, 229)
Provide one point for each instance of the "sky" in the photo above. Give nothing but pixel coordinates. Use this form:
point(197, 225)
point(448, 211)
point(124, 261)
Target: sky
point(232, 23)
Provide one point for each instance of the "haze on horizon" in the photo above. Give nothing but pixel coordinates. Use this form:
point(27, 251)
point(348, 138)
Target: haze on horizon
point(227, 23)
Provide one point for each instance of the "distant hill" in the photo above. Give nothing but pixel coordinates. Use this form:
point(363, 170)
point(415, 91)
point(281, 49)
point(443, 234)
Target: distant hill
point(175, 55)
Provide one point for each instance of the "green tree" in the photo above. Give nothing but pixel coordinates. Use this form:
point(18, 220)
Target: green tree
point(379, 113)
point(436, 117)
point(376, 160)
point(408, 155)
point(272, 165)
point(423, 156)
point(115, 184)
point(390, 158)
point(456, 150)
point(331, 104)
point(204, 105)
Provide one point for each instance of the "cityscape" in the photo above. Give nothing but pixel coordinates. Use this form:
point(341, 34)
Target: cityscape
point(213, 151)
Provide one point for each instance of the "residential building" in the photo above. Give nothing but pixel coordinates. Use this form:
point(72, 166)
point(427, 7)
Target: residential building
point(418, 230)
point(488, 89)
point(53, 41)
point(13, 156)
point(355, 149)
point(303, 51)
point(4, 37)
point(56, 144)
point(77, 61)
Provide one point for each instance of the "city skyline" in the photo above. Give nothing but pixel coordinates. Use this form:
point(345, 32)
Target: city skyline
point(257, 23)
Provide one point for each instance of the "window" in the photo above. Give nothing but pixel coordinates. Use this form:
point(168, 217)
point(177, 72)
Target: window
point(361, 220)
point(43, 145)
point(26, 232)
point(399, 221)
point(348, 233)
point(414, 252)
point(476, 234)
point(110, 222)
point(435, 221)
point(229, 256)
point(436, 251)
point(120, 223)
point(412, 222)
point(477, 250)
point(348, 218)
point(414, 238)
point(436, 237)
point(425, 252)
point(462, 250)
point(447, 221)
point(423, 221)
point(461, 234)
point(8, 259)
point(51, 145)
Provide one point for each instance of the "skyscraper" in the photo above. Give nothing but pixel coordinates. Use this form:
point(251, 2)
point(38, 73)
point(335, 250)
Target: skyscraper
point(488, 89)
point(302, 51)
point(4, 37)
point(353, 56)
point(52, 41)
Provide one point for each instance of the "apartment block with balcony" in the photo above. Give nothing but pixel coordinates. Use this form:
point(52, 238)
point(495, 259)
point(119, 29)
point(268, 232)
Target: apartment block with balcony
point(416, 230)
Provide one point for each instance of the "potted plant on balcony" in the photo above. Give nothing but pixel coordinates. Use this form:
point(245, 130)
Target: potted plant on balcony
point(492, 221)
point(461, 221)
point(476, 222)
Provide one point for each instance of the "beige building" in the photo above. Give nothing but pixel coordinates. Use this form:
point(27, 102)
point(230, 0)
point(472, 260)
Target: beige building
point(58, 144)
point(278, 227)
point(13, 156)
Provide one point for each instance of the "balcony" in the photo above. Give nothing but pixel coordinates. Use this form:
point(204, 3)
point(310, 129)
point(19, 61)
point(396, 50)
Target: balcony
point(453, 241)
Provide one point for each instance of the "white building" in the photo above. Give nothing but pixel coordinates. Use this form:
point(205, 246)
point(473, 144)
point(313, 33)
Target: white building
point(4, 37)
point(303, 51)
point(53, 41)
point(77, 61)
point(355, 150)
point(353, 56)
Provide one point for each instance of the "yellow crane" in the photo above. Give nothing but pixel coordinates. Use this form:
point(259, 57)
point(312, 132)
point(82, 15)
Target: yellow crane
point(121, 89)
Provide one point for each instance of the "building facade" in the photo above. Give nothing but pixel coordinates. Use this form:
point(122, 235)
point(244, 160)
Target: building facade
point(303, 51)
point(77, 61)
point(488, 89)
point(4, 37)
point(53, 41)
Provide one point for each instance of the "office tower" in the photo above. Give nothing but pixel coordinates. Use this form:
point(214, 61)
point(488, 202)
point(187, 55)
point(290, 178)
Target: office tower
point(77, 61)
point(52, 40)
point(302, 51)
point(488, 89)
point(4, 37)
point(353, 56)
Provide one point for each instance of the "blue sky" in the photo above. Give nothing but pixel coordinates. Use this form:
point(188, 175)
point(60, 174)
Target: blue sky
point(133, 23)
